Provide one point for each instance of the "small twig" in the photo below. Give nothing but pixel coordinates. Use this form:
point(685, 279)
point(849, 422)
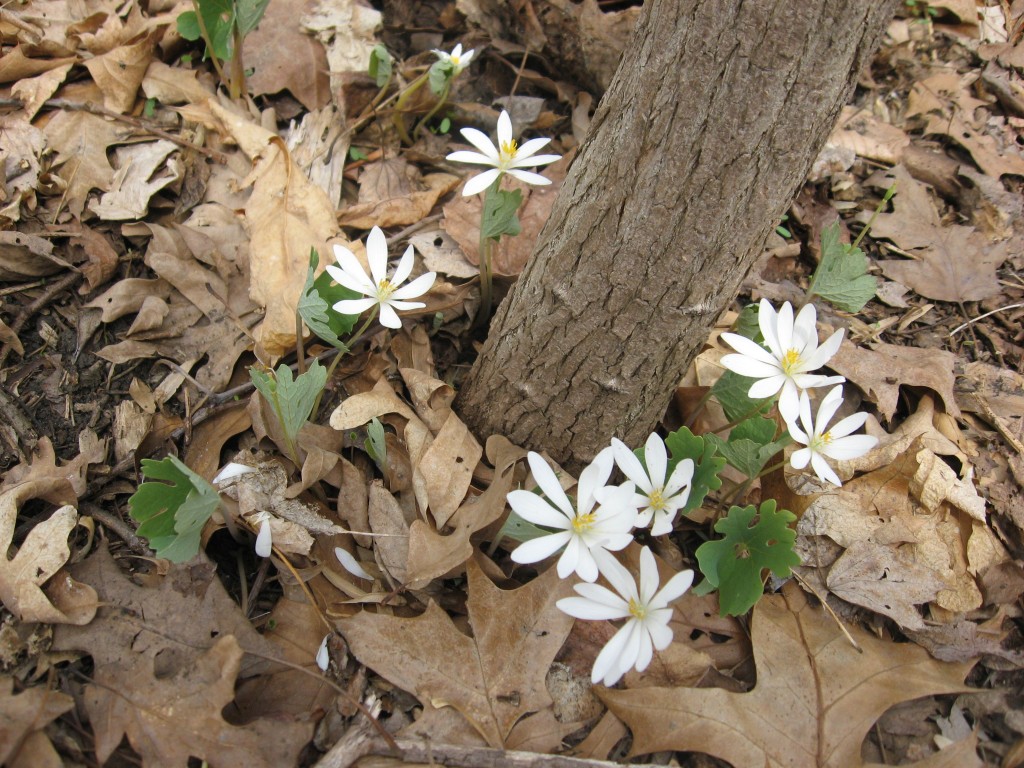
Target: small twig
point(116, 525)
point(828, 608)
point(136, 122)
point(992, 418)
point(982, 317)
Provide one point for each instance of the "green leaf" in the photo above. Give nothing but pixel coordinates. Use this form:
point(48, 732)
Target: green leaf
point(249, 13)
point(751, 444)
point(172, 516)
point(683, 444)
point(318, 295)
point(734, 563)
point(355, 153)
point(438, 76)
point(375, 443)
point(291, 399)
point(747, 323)
point(499, 217)
point(842, 276)
point(219, 18)
point(380, 65)
point(731, 392)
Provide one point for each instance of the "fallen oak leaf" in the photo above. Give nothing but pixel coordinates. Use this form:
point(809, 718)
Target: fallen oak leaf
point(816, 697)
point(494, 678)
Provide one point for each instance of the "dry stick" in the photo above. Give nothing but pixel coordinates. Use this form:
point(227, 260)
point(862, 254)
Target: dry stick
point(116, 525)
point(135, 122)
point(828, 608)
point(1000, 425)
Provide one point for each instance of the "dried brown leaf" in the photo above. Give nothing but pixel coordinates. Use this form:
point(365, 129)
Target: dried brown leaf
point(23, 716)
point(816, 697)
point(284, 57)
point(81, 140)
point(494, 678)
point(119, 72)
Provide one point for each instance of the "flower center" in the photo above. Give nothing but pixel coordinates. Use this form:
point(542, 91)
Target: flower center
point(583, 523)
point(820, 441)
point(508, 150)
point(385, 289)
point(791, 362)
point(454, 60)
point(656, 499)
point(637, 609)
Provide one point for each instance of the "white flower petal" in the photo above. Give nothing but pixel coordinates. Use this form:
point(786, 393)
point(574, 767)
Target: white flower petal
point(600, 594)
point(264, 542)
point(630, 465)
point(789, 401)
point(359, 283)
point(766, 387)
point(649, 578)
point(417, 287)
point(616, 574)
point(568, 562)
point(784, 325)
point(481, 141)
point(480, 182)
point(581, 608)
point(529, 178)
point(534, 161)
point(674, 589)
point(659, 630)
point(826, 351)
point(823, 470)
point(350, 564)
point(800, 458)
point(546, 479)
point(404, 268)
point(533, 509)
point(377, 255)
point(531, 147)
point(850, 424)
point(474, 158)
point(535, 550)
point(232, 470)
point(657, 459)
point(682, 477)
point(389, 318)
point(353, 306)
point(323, 657)
point(404, 306)
point(606, 665)
point(852, 447)
point(749, 348)
point(767, 320)
point(586, 567)
point(646, 651)
point(504, 129)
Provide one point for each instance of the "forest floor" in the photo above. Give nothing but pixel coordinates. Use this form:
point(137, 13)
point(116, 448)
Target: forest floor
point(154, 238)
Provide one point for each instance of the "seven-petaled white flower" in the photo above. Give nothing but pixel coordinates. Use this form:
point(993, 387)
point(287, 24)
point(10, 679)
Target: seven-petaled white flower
point(793, 352)
point(647, 610)
point(603, 519)
point(835, 443)
point(508, 157)
point(456, 58)
point(657, 498)
point(387, 293)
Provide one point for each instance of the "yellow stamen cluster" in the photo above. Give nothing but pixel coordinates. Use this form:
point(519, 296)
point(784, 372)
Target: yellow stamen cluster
point(384, 288)
point(790, 361)
point(509, 149)
point(638, 610)
point(656, 500)
point(582, 523)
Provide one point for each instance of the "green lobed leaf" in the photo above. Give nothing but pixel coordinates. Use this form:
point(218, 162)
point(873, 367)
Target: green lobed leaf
point(734, 563)
point(249, 13)
point(219, 18)
point(842, 276)
point(380, 65)
point(438, 76)
point(499, 216)
point(318, 295)
point(750, 445)
point(683, 444)
point(731, 393)
point(292, 399)
point(520, 530)
point(172, 516)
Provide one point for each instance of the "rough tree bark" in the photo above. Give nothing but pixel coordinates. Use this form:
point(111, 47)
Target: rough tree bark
point(710, 125)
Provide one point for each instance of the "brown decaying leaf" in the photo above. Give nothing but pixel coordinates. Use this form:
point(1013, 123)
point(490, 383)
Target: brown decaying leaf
point(101, 256)
point(881, 369)
point(166, 661)
point(393, 193)
point(172, 85)
point(24, 256)
point(816, 697)
point(22, 719)
point(954, 263)
point(143, 170)
point(34, 91)
point(283, 57)
point(285, 216)
point(119, 72)
point(494, 678)
point(81, 140)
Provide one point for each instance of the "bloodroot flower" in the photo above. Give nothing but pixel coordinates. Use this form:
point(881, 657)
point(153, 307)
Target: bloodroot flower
point(602, 520)
point(646, 608)
point(380, 290)
point(657, 499)
point(457, 60)
point(836, 443)
point(508, 157)
point(792, 353)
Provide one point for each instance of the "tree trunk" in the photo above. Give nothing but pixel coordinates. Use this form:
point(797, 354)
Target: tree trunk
point(709, 127)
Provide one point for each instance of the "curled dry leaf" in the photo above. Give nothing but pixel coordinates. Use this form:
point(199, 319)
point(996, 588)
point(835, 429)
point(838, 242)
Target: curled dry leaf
point(120, 72)
point(23, 717)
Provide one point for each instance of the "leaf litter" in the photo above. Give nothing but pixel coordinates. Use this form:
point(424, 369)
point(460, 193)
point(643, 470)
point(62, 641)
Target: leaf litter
point(922, 543)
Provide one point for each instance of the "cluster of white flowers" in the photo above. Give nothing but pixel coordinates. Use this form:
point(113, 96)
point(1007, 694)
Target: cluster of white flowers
point(788, 366)
point(601, 522)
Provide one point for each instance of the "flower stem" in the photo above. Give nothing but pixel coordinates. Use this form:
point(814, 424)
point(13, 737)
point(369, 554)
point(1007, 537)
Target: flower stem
point(398, 118)
point(486, 272)
point(441, 100)
point(337, 358)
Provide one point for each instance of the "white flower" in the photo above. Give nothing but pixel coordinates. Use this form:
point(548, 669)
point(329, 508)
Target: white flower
point(264, 543)
point(583, 531)
point(646, 609)
point(508, 157)
point(836, 443)
point(458, 60)
point(323, 656)
point(794, 353)
point(381, 291)
point(658, 500)
point(232, 470)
